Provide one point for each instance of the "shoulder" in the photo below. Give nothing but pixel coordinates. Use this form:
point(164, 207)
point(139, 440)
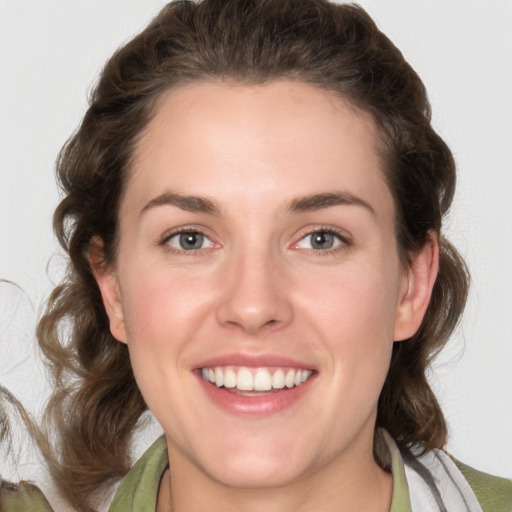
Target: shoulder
point(438, 479)
point(492, 492)
point(22, 497)
point(139, 488)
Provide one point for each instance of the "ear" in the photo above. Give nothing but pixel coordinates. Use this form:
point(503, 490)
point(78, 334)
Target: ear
point(417, 289)
point(106, 278)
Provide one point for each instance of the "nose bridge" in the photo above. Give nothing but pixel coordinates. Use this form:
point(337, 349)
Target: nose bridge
point(253, 293)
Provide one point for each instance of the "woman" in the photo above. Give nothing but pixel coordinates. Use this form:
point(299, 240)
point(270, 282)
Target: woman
point(253, 217)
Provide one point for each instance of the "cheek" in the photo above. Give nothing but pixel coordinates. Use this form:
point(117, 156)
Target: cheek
point(358, 298)
point(162, 313)
point(159, 303)
point(353, 312)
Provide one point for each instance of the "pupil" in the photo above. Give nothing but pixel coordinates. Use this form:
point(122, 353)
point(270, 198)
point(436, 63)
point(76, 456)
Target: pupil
point(191, 240)
point(322, 240)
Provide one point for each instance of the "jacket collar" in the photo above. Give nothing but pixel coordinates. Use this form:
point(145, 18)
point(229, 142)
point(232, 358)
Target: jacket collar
point(138, 491)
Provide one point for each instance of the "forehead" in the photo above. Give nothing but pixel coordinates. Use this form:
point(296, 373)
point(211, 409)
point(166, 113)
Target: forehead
point(221, 139)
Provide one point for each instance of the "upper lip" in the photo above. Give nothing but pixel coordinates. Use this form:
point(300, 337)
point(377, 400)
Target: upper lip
point(254, 361)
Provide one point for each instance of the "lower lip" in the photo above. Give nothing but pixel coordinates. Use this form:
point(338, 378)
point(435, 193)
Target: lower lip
point(257, 405)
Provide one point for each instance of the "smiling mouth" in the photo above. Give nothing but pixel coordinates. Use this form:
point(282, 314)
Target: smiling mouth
point(247, 381)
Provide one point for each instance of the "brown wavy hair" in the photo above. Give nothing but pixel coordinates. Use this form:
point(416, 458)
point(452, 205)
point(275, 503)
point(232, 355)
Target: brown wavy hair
point(96, 405)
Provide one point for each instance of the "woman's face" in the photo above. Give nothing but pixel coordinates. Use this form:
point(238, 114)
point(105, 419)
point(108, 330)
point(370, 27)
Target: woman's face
point(257, 248)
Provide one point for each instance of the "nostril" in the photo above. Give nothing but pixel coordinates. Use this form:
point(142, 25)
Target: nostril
point(253, 301)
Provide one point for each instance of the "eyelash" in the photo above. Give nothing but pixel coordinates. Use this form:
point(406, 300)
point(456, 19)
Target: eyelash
point(342, 237)
point(344, 240)
point(185, 229)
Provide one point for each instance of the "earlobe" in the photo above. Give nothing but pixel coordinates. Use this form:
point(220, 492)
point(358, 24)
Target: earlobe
point(106, 278)
point(419, 283)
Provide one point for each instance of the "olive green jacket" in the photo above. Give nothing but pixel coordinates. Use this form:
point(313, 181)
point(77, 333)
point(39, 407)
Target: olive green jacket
point(138, 491)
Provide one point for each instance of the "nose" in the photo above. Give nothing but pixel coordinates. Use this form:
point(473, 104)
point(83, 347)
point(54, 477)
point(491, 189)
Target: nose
point(254, 294)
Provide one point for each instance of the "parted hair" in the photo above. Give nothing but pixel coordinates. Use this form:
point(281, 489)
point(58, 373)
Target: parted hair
point(96, 405)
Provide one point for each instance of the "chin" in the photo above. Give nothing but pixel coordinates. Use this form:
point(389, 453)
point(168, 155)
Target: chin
point(255, 473)
point(254, 463)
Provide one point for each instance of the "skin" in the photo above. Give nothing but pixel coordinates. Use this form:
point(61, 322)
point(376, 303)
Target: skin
point(257, 285)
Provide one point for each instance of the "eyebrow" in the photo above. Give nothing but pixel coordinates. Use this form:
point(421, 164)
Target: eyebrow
point(313, 202)
point(325, 200)
point(194, 204)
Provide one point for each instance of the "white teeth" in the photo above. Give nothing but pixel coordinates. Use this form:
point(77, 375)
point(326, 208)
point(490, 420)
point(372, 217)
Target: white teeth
point(230, 379)
point(219, 377)
point(278, 380)
point(244, 380)
point(262, 381)
point(290, 378)
point(250, 379)
point(304, 375)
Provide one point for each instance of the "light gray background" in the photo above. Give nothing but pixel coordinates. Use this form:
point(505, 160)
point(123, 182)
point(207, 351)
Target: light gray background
point(51, 53)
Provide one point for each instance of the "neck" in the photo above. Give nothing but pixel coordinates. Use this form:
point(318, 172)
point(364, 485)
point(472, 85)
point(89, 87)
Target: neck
point(350, 483)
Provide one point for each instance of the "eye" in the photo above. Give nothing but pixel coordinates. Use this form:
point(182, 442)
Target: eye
point(320, 240)
point(189, 241)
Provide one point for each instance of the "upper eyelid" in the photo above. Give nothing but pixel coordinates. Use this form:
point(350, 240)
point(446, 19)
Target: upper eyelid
point(187, 231)
point(342, 234)
point(184, 229)
point(165, 239)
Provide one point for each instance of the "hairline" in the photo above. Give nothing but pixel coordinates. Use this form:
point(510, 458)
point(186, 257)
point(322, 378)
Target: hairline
point(254, 80)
